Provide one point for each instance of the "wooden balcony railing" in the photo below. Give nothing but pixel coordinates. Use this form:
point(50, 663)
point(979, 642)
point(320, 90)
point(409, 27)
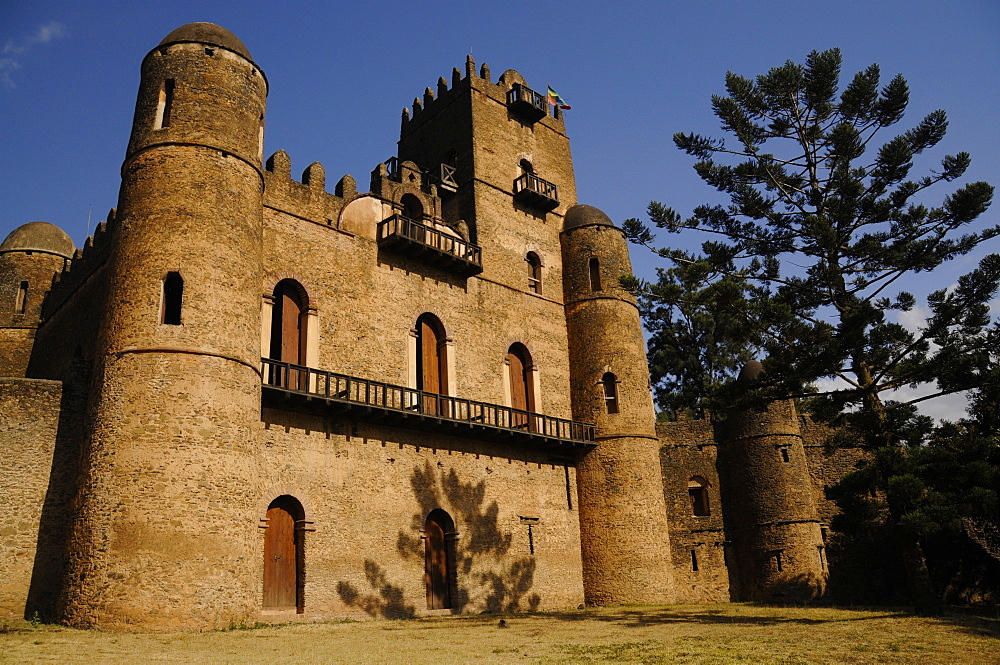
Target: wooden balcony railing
point(415, 409)
point(536, 192)
point(527, 103)
point(410, 237)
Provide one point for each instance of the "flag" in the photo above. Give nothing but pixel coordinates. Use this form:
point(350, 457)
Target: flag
point(556, 100)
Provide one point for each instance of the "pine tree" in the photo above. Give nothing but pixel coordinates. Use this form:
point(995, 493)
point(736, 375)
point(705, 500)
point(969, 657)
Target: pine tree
point(824, 229)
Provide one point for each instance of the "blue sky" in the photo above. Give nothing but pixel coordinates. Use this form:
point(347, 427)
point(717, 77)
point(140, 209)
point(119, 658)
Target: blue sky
point(340, 73)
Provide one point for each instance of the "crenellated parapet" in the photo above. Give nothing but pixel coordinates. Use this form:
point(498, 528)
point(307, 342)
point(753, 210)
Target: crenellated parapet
point(306, 198)
point(510, 89)
point(85, 262)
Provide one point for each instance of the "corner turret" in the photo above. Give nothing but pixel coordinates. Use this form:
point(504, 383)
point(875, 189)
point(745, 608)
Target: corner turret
point(623, 518)
point(30, 256)
point(176, 396)
point(771, 521)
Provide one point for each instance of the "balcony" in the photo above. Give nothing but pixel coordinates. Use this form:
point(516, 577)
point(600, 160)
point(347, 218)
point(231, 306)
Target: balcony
point(382, 403)
point(532, 191)
point(527, 103)
point(410, 237)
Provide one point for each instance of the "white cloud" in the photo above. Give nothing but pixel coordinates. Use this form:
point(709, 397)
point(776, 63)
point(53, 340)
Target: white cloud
point(45, 33)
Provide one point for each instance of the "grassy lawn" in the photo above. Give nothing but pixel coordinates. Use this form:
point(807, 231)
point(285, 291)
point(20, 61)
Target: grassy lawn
point(730, 633)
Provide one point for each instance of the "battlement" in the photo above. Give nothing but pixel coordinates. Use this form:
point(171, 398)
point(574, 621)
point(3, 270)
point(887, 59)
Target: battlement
point(307, 198)
point(85, 262)
point(510, 89)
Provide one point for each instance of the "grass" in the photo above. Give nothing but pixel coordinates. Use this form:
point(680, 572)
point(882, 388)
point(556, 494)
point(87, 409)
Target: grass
point(725, 633)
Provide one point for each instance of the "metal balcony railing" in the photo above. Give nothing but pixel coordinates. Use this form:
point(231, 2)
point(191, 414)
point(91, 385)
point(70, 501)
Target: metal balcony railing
point(527, 103)
point(536, 192)
point(416, 409)
point(411, 237)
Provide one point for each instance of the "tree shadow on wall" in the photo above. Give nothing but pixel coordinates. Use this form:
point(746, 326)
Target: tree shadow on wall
point(385, 601)
point(503, 587)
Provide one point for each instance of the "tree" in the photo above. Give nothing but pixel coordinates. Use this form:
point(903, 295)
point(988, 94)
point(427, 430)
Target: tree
point(824, 229)
point(697, 344)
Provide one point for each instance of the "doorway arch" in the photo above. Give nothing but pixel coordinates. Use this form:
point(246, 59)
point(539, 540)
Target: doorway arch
point(284, 555)
point(439, 533)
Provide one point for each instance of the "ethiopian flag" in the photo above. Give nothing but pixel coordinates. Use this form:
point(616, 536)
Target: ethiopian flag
point(556, 100)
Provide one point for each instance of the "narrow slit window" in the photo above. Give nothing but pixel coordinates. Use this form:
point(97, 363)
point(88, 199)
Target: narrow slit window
point(595, 274)
point(534, 272)
point(822, 557)
point(163, 106)
point(21, 304)
point(694, 560)
point(784, 454)
point(173, 294)
point(610, 382)
point(776, 555)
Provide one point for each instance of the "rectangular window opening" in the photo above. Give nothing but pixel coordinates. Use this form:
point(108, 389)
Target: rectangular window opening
point(21, 304)
point(822, 557)
point(776, 555)
point(163, 106)
point(694, 560)
point(784, 454)
point(173, 294)
point(595, 274)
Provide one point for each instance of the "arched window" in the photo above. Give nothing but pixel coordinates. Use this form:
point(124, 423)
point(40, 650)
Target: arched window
point(595, 274)
point(432, 363)
point(534, 272)
point(698, 493)
point(170, 300)
point(288, 328)
point(412, 207)
point(610, 383)
point(284, 555)
point(439, 532)
point(526, 166)
point(522, 392)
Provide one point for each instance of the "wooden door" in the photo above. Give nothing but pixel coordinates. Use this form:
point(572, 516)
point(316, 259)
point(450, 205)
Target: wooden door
point(520, 389)
point(291, 335)
point(433, 371)
point(436, 566)
point(280, 570)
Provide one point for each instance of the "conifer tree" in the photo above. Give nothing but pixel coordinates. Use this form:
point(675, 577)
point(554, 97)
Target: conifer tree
point(821, 230)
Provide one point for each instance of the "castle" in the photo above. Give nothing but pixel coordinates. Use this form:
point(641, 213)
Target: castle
point(247, 396)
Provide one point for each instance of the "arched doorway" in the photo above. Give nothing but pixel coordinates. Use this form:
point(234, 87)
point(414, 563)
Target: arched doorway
point(438, 531)
point(284, 555)
point(288, 328)
point(432, 363)
point(522, 393)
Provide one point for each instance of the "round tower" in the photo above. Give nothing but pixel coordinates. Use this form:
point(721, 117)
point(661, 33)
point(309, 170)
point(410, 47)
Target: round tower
point(166, 528)
point(623, 516)
point(768, 502)
point(29, 257)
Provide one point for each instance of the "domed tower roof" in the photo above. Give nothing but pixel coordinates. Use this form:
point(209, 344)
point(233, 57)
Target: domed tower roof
point(753, 371)
point(582, 215)
point(207, 33)
point(39, 237)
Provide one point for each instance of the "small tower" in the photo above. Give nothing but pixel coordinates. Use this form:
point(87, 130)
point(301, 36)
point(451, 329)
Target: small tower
point(166, 530)
point(623, 518)
point(770, 516)
point(29, 257)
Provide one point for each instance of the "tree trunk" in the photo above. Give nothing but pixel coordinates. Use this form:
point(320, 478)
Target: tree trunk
point(918, 579)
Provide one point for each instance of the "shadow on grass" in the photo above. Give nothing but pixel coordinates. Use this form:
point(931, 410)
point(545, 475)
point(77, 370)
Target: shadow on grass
point(981, 623)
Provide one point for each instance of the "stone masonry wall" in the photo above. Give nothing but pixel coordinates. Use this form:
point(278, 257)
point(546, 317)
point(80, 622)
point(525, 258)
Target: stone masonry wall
point(688, 449)
point(29, 429)
point(367, 491)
